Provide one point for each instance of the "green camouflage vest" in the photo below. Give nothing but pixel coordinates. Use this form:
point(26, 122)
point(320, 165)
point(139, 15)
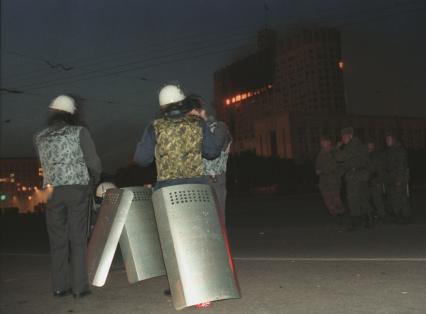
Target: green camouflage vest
point(178, 150)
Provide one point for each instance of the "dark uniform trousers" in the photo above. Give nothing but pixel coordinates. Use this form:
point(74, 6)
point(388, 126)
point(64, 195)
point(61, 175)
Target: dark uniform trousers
point(66, 219)
point(218, 183)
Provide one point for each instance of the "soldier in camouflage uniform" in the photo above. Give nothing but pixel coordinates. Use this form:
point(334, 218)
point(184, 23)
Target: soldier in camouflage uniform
point(329, 174)
point(71, 167)
point(353, 156)
point(177, 142)
point(396, 178)
point(376, 182)
point(215, 169)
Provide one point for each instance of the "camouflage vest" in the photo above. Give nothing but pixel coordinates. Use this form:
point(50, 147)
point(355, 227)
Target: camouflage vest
point(178, 150)
point(61, 156)
point(218, 165)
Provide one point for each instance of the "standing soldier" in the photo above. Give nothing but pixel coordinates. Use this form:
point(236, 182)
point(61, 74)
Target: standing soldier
point(353, 155)
point(178, 142)
point(397, 177)
point(329, 179)
point(216, 169)
point(71, 166)
point(376, 182)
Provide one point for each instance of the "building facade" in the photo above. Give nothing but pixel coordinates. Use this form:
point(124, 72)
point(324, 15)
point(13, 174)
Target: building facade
point(281, 99)
point(297, 71)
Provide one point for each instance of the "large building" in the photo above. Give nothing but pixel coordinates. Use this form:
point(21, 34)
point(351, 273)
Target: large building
point(280, 99)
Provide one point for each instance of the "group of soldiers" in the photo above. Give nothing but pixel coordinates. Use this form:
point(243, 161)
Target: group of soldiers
point(187, 145)
point(375, 182)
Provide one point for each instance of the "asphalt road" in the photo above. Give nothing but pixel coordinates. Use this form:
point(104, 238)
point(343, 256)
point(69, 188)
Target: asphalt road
point(290, 258)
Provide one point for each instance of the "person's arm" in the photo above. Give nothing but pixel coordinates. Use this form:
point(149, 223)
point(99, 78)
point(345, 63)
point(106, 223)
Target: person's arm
point(91, 157)
point(212, 142)
point(145, 149)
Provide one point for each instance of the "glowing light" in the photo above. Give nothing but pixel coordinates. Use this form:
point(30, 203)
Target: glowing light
point(341, 65)
point(12, 175)
point(24, 188)
point(30, 198)
point(233, 99)
point(270, 86)
point(19, 189)
point(18, 184)
point(35, 188)
point(238, 98)
point(48, 185)
point(12, 180)
point(228, 101)
point(243, 96)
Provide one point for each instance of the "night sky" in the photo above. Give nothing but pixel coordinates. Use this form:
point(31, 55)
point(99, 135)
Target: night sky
point(117, 54)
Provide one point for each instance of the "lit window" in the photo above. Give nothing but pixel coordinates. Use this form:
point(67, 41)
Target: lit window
point(243, 96)
point(238, 98)
point(341, 65)
point(233, 99)
point(228, 101)
point(12, 175)
point(24, 188)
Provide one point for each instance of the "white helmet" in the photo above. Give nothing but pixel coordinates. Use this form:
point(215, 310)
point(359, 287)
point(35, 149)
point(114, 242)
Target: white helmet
point(170, 94)
point(103, 187)
point(63, 103)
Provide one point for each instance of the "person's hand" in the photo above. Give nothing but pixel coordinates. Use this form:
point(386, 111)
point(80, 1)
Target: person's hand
point(203, 114)
point(195, 113)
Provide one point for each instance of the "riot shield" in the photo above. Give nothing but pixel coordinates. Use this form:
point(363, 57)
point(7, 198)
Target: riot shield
point(195, 250)
point(106, 234)
point(139, 242)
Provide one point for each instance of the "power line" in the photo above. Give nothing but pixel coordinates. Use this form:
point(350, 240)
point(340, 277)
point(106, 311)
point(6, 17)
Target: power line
point(399, 4)
point(154, 48)
point(64, 81)
point(128, 64)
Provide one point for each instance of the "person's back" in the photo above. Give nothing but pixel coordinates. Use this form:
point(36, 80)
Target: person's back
point(61, 156)
point(177, 142)
point(178, 150)
point(70, 165)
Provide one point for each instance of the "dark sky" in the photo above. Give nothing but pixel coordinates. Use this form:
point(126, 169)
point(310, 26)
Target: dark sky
point(121, 52)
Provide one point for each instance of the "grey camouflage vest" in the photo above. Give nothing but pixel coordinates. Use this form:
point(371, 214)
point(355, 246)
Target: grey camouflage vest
point(61, 156)
point(216, 166)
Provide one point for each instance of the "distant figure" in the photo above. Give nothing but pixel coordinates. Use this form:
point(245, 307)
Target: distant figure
point(397, 178)
point(353, 155)
point(216, 169)
point(329, 174)
point(71, 166)
point(376, 181)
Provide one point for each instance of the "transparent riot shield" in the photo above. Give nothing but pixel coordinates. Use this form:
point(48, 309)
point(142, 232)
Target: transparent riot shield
point(106, 234)
point(139, 242)
point(195, 250)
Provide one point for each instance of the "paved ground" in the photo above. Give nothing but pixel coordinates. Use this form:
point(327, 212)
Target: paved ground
point(290, 258)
